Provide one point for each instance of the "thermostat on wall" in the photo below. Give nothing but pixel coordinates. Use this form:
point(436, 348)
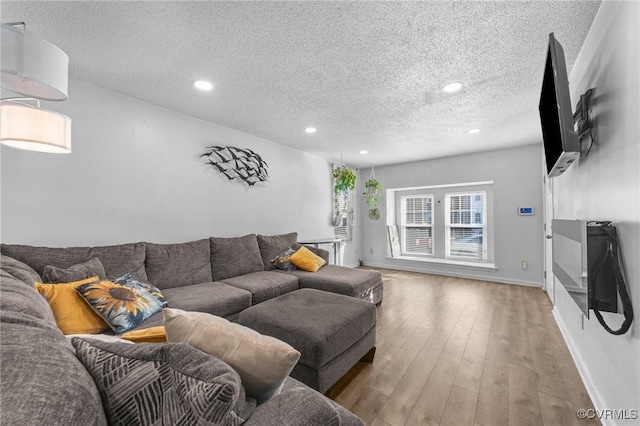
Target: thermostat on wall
point(525, 211)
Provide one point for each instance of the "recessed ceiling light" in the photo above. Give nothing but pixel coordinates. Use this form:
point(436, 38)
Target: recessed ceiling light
point(364, 151)
point(203, 85)
point(452, 87)
point(473, 131)
point(310, 130)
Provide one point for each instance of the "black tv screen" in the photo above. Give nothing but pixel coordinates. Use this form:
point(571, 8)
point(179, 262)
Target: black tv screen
point(561, 146)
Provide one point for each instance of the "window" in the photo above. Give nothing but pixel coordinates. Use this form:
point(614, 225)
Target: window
point(341, 223)
point(466, 225)
point(446, 224)
point(417, 224)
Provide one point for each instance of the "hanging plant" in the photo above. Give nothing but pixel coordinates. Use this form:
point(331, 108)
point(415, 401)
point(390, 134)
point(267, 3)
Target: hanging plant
point(372, 194)
point(344, 179)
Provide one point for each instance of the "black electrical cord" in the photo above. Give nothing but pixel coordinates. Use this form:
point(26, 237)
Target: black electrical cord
point(612, 251)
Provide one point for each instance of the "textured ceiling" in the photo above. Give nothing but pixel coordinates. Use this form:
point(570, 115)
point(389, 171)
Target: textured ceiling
point(367, 75)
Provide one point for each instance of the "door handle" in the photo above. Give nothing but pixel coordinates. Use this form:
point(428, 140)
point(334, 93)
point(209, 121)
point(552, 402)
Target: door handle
point(549, 237)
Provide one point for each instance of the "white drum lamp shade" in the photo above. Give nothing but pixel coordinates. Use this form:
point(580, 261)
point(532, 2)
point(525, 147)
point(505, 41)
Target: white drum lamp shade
point(34, 129)
point(32, 66)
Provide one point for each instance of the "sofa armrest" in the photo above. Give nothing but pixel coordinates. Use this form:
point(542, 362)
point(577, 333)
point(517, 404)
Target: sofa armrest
point(298, 404)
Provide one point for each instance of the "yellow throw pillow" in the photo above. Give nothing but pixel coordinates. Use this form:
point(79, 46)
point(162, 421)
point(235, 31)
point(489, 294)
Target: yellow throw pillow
point(148, 335)
point(72, 314)
point(306, 260)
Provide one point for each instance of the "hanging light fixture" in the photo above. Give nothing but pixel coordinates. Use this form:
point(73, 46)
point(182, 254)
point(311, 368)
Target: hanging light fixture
point(32, 66)
point(38, 70)
point(28, 127)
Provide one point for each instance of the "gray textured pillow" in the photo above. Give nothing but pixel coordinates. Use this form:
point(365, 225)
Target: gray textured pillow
point(231, 257)
point(272, 245)
point(153, 384)
point(81, 271)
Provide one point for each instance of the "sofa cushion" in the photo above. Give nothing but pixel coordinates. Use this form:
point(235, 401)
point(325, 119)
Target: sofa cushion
point(301, 405)
point(42, 381)
point(153, 384)
point(339, 279)
point(19, 270)
point(262, 362)
point(117, 260)
point(17, 293)
point(214, 298)
point(81, 271)
point(231, 257)
point(121, 306)
point(264, 285)
point(272, 245)
point(176, 265)
point(71, 312)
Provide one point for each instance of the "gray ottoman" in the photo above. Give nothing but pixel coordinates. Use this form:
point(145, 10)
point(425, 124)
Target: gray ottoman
point(331, 331)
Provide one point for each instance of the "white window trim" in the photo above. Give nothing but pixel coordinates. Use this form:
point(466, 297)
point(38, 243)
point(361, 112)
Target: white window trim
point(404, 225)
point(393, 196)
point(448, 226)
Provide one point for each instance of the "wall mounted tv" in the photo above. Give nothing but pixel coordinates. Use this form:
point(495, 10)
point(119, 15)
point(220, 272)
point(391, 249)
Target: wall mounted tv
point(561, 143)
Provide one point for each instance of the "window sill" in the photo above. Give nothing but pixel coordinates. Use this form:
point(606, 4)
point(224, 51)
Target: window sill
point(446, 262)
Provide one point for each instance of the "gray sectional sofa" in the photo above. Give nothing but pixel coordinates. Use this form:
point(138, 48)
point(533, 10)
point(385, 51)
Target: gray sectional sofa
point(42, 381)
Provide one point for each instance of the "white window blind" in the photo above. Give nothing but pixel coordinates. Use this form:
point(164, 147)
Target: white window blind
point(466, 225)
point(417, 224)
point(341, 222)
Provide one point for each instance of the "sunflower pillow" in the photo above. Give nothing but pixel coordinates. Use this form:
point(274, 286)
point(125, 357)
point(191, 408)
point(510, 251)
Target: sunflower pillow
point(128, 281)
point(121, 306)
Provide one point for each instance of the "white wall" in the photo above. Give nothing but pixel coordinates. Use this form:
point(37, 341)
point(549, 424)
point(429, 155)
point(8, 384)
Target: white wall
point(517, 177)
point(606, 186)
point(134, 174)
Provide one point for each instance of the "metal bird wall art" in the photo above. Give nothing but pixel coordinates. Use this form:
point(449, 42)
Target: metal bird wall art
point(237, 163)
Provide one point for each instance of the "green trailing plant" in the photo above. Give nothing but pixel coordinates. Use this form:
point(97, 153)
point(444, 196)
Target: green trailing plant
point(344, 179)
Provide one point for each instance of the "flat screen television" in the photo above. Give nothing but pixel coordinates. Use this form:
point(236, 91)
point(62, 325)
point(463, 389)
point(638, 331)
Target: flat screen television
point(561, 144)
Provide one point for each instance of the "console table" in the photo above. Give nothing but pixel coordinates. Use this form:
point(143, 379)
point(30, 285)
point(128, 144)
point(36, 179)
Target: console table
point(336, 244)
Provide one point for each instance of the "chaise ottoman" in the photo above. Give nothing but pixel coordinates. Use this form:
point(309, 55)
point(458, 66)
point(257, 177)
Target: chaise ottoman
point(331, 331)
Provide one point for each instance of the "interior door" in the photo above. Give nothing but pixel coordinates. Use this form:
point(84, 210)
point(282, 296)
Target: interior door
point(548, 280)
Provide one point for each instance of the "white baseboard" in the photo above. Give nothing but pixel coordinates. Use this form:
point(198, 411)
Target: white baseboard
point(467, 275)
point(596, 398)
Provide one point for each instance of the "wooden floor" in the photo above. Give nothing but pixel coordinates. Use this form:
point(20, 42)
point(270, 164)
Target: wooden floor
point(452, 351)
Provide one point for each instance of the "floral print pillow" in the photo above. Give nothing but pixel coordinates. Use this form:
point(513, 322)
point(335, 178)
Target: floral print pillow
point(121, 306)
point(129, 281)
point(281, 261)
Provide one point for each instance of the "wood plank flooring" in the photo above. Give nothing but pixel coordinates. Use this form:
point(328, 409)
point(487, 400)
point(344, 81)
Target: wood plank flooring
point(453, 351)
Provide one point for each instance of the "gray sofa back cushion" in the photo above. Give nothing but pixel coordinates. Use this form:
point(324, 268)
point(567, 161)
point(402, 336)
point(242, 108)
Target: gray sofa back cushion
point(18, 294)
point(273, 245)
point(231, 257)
point(117, 260)
point(177, 265)
point(19, 270)
point(42, 380)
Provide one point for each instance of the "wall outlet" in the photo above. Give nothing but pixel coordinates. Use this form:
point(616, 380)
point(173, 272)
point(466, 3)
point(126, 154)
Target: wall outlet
point(525, 265)
point(370, 251)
